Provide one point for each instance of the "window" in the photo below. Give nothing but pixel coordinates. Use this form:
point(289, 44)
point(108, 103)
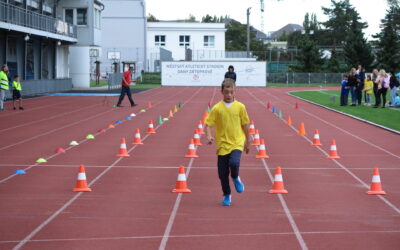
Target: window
point(81, 17)
point(69, 16)
point(159, 40)
point(97, 18)
point(209, 41)
point(184, 41)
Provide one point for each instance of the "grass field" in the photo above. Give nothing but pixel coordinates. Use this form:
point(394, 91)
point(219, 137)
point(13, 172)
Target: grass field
point(388, 117)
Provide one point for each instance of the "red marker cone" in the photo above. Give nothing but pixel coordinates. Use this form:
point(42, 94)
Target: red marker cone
point(196, 138)
point(200, 128)
point(256, 140)
point(101, 130)
point(252, 130)
point(181, 184)
point(191, 152)
point(262, 153)
point(137, 140)
point(81, 183)
point(268, 106)
point(296, 106)
point(376, 186)
point(333, 152)
point(60, 150)
point(122, 149)
point(150, 129)
point(316, 141)
point(277, 187)
point(149, 105)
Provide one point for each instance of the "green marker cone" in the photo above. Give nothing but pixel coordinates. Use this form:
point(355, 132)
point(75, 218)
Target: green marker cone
point(180, 105)
point(280, 114)
point(90, 136)
point(165, 119)
point(114, 106)
point(142, 110)
point(41, 160)
point(208, 109)
point(160, 120)
point(73, 143)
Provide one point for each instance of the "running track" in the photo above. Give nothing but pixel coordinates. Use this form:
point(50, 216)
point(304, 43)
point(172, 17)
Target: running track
point(132, 207)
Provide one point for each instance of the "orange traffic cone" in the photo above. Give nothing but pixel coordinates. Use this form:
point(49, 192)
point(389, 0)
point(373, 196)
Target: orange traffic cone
point(137, 140)
point(150, 129)
point(376, 186)
point(252, 131)
point(302, 130)
point(196, 138)
point(170, 115)
point(200, 128)
point(277, 187)
point(289, 121)
point(191, 152)
point(256, 140)
point(149, 105)
point(333, 152)
point(205, 116)
point(316, 141)
point(262, 153)
point(122, 149)
point(181, 185)
point(81, 183)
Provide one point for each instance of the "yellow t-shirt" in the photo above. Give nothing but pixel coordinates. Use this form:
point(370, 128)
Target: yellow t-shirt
point(368, 86)
point(228, 123)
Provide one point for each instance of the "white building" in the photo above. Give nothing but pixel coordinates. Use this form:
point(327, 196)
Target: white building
point(205, 40)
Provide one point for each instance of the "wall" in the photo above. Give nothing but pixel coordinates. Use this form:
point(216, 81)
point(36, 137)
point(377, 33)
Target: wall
point(79, 66)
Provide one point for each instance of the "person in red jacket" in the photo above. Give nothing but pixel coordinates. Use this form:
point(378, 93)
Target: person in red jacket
point(126, 81)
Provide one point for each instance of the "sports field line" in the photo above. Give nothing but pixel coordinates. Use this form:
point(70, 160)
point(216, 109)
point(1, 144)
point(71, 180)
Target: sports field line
point(68, 203)
point(171, 219)
point(207, 236)
point(334, 126)
point(80, 142)
point(391, 205)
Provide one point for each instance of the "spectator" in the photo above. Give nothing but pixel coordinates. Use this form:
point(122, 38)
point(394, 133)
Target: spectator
point(374, 79)
point(360, 84)
point(394, 84)
point(352, 83)
point(231, 74)
point(368, 89)
point(383, 85)
point(344, 92)
point(3, 85)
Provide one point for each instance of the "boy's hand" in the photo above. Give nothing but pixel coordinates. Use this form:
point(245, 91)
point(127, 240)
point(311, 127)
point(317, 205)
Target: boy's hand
point(247, 147)
point(210, 140)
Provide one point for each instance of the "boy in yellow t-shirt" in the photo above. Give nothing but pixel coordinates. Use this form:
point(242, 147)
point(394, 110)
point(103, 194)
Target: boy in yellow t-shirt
point(368, 89)
point(230, 119)
point(16, 86)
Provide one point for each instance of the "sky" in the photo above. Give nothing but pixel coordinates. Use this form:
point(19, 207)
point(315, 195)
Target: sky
point(277, 13)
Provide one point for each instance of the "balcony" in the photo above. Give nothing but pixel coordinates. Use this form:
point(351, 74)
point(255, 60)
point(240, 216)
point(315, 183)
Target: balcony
point(29, 19)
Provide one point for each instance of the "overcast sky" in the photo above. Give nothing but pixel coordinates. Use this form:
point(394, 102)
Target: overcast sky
point(276, 14)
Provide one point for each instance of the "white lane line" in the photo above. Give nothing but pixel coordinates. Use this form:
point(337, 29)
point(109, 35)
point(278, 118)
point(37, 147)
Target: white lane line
point(32, 109)
point(59, 211)
point(205, 236)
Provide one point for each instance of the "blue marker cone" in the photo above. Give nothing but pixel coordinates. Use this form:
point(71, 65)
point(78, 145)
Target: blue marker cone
point(128, 118)
point(274, 109)
point(19, 171)
point(118, 122)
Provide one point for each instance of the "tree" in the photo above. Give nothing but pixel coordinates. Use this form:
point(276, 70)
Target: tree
point(388, 56)
point(207, 19)
point(235, 36)
point(151, 18)
point(309, 58)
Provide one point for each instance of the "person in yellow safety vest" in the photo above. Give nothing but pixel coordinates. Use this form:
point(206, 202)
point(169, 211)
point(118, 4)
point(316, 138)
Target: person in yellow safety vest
point(16, 86)
point(3, 85)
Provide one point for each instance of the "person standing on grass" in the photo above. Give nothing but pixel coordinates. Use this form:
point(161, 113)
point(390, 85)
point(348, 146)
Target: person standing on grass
point(16, 86)
point(344, 92)
point(394, 84)
point(383, 81)
point(230, 119)
point(3, 85)
point(352, 83)
point(126, 81)
point(374, 79)
point(360, 84)
point(231, 74)
point(368, 89)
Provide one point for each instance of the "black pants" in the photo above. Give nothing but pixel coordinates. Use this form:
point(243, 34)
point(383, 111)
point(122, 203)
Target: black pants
point(381, 92)
point(376, 95)
point(127, 91)
point(343, 98)
point(228, 163)
point(358, 93)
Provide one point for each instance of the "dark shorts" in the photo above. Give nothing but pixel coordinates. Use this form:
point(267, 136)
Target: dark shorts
point(16, 94)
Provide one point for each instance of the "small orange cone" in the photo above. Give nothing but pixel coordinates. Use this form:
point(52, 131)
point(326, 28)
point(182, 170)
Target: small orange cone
point(262, 153)
point(302, 130)
point(81, 183)
point(175, 109)
point(376, 186)
point(170, 115)
point(289, 121)
point(256, 140)
point(191, 152)
point(333, 152)
point(316, 141)
point(150, 129)
point(277, 187)
point(196, 138)
point(111, 126)
point(181, 184)
point(122, 149)
point(137, 140)
point(252, 131)
point(200, 128)
point(149, 105)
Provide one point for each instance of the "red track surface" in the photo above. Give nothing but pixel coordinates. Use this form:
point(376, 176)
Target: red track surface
point(132, 207)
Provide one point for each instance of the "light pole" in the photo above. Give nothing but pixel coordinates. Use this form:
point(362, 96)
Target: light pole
point(248, 32)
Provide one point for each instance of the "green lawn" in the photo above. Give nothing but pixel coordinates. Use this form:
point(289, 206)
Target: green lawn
point(301, 85)
point(102, 83)
point(388, 117)
point(145, 86)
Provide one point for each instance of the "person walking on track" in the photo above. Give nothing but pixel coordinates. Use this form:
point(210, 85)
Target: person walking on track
point(126, 81)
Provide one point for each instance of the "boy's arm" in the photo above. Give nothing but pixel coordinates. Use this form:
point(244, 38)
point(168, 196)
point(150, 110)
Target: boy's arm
point(210, 138)
point(245, 128)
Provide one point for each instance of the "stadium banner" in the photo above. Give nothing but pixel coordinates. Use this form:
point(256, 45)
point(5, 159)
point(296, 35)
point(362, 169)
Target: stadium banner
point(183, 73)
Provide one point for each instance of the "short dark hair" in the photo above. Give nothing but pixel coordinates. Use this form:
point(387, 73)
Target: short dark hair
point(15, 76)
point(231, 67)
point(228, 83)
point(3, 67)
point(130, 68)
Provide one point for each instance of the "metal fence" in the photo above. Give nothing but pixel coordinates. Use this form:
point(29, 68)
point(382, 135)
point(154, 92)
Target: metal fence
point(37, 87)
point(114, 81)
point(20, 16)
point(304, 78)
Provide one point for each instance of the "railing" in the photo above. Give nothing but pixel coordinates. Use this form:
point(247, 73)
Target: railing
point(217, 54)
point(19, 16)
point(38, 87)
point(305, 78)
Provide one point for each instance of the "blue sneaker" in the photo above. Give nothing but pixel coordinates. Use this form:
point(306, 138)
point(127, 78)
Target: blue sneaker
point(226, 201)
point(238, 185)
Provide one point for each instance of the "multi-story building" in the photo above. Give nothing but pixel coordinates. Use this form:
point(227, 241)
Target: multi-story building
point(47, 40)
